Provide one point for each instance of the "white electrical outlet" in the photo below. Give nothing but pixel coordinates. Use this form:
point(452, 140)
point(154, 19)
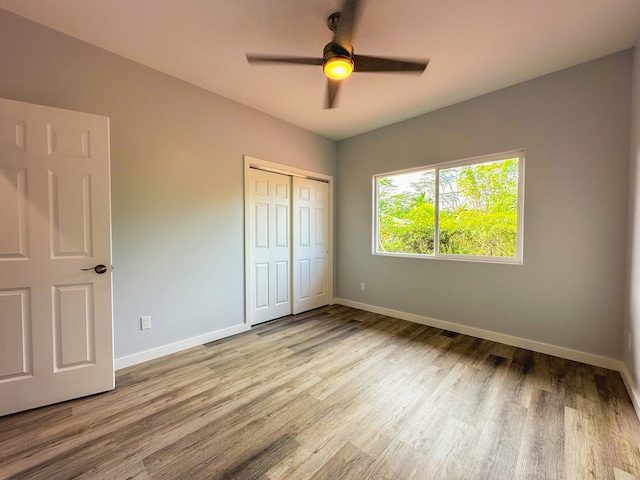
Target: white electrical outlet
point(145, 322)
point(630, 338)
point(362, 286)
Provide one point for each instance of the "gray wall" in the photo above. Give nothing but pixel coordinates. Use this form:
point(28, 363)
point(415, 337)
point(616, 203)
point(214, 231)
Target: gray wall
point(574, 125)
point(177, 177)
point(631, 355)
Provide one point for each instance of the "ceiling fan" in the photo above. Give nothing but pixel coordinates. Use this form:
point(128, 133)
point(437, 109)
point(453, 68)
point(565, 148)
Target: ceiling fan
point(338, 60)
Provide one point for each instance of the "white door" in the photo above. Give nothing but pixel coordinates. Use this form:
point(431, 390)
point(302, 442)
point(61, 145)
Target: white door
point(269, 246)
point(56, 335)
point(310, 244)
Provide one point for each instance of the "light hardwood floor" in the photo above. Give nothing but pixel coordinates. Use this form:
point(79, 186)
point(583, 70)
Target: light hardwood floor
point(338, 393)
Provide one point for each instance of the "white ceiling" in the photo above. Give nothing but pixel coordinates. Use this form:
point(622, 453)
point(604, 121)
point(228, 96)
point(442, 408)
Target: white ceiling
point(475, 47)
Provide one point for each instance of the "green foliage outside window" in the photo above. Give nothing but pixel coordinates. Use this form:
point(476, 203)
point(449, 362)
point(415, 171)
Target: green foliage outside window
point(477, 215)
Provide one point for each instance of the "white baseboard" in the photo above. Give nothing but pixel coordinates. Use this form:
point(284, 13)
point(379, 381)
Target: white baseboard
point(634, 394)
point(158, 352)
point(568, 353)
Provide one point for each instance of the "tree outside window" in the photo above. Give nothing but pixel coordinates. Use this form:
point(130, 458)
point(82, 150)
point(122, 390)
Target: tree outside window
point(473, 208)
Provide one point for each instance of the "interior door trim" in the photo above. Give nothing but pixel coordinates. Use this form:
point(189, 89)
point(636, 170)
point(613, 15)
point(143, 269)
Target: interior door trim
point(281, 172)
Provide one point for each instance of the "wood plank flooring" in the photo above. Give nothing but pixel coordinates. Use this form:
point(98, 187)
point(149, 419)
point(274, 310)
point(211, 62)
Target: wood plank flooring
point(338, 393)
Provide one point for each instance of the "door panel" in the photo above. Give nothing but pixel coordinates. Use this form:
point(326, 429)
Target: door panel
point(310, 244)
point(304, 226)
point(303, 279)
point(261, 285)
point(320, 237)
point(282, 282)
point(65, 141)
point(70, 214)
point(12, 134)
point(74, 320)
point(13, 214)
point(269, 233)
point(15, 335)
point(319, 283)
point(56, 333)
point(282, 226)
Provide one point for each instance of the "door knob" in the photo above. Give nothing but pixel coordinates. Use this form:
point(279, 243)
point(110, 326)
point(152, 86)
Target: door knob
point(100, 269)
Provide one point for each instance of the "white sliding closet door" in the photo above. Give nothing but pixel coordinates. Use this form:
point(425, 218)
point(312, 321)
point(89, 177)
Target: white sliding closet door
point(287, 241)
point(310, 244)
point(269, 247)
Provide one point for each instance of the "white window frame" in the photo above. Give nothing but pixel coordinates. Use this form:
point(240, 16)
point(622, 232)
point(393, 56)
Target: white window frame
point(516, 260)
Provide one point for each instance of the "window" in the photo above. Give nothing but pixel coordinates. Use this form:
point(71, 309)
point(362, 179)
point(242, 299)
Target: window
point(465, 210)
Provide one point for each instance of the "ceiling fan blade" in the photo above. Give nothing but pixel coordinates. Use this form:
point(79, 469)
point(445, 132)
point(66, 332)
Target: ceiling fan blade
point(365, 63)
point(258, 58)
point(346, 25)
point(333, 86)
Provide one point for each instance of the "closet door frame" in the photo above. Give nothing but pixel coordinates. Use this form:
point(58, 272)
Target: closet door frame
point(252, 162)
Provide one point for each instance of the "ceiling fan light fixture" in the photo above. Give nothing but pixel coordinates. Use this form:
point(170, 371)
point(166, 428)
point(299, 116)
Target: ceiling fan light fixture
point(338, 67)
point(338, 60)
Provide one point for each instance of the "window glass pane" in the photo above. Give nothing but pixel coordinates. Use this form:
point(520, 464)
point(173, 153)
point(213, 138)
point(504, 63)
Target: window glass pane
point(406, 213)
point(478, 212)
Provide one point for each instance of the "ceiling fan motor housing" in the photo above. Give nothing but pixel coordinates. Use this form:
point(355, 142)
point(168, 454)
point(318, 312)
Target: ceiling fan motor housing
point(333, 49)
